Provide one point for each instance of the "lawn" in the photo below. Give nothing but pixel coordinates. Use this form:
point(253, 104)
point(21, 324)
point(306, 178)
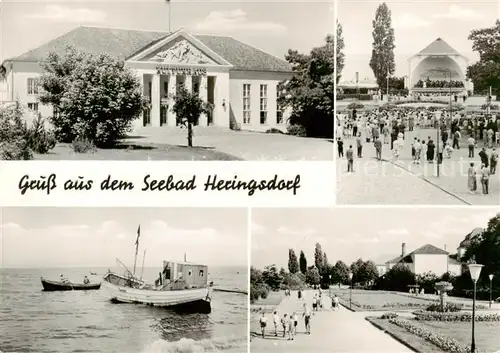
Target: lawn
point(486, 334)
point(139, 152)
point(381, 300)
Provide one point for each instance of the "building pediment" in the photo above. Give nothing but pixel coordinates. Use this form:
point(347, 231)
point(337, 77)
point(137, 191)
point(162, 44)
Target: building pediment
point(179, 48)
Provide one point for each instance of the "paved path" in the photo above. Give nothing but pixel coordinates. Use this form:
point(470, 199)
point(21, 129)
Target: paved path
point(402, 182)
point(250, 146)
point(331, 331)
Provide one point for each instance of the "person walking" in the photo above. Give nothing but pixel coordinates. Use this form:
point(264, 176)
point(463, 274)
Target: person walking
point(284, 323)
point(378, 149)
point(276, 321)
point(484, 157)
point(350, 159)
point(263, 324)
point(295, 321)
point(471, 143)
point(340, 147)
point(307, 319)
point(456, 140)
point(418, 149)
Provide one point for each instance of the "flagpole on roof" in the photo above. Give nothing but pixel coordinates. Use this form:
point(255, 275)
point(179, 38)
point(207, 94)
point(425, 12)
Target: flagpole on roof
point(169, 16)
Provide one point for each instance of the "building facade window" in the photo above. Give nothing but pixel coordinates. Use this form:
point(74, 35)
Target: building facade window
point(33, 106)
point(263, 104)
point(32, 86)
point(279, 111)
point(246, 103)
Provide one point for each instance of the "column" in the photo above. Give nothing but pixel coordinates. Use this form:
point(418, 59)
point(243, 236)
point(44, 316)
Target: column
point(155, 100)
point(204, 97)
point(172, 91)
point(189, 83)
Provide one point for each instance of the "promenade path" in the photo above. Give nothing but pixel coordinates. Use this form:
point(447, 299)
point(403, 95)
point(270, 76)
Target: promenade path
point(331, 331)
point(249, 146)
point(402, 182)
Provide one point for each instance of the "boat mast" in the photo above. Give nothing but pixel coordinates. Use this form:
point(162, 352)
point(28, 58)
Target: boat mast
point(137, 247)
point(143, 258)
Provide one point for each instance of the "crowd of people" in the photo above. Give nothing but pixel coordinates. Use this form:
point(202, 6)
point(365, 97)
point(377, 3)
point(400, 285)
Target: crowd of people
point(390, 127)
point(286, 325)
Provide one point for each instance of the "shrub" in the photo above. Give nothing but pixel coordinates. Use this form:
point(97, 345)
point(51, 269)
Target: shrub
point(448, 308)
point(254, 293)
point(388, 316)
point(13, 143)
point(39, 139)
point(296, 130)
point(403, 305)
point(454, 317)
point(82, 145)
point(274, 131)
point(447, 344)
point(355, 106)
point(264, 292)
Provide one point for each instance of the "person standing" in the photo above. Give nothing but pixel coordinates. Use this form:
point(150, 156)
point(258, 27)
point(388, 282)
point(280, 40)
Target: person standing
point(484, 157)
point(493, 161)
point(417, 146)
point(430, 151)
point(284, 322)
point(295, 321)
point(276, 321)
point(456, 140)
point(471, 143)
point(340, 147)
point(359, 142)
point(378, 149)
point(350, 159)
point(472, 179)
point(485, 179)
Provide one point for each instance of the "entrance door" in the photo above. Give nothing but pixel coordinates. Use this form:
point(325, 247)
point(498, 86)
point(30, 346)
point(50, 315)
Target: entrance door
point(146, 117)
point(163, 114)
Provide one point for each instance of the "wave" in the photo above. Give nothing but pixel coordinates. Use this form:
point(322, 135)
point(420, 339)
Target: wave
point(187, 345)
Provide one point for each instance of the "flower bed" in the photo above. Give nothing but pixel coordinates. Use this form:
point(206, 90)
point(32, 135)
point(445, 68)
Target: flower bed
point(454, 317)
point(404, 305)
point(447, 344)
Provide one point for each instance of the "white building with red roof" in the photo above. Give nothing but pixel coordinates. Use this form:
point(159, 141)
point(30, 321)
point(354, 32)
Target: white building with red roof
point(238, 79)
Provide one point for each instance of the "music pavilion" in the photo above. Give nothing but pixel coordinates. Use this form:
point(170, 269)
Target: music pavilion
point(238, 79)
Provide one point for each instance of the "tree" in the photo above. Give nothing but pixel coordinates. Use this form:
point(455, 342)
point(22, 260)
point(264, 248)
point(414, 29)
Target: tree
point(486, 72)
point(382, 61)
point(95, 97)
point(303, 263)
point(309, 93)
point(356, 269)
point(271, 277)
point(340, 56)
point(312, 276)
point(325, 265)
point(293, 262)
point(188, 106)
point(318, 257)
point(340, 272)
point(368, 272)
point(13, 143)
point(398, 278)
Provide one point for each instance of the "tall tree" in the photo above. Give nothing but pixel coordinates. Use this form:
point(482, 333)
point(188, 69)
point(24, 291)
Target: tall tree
point(293, 262)
point(303, 262)
point(312, 276)
point(326, 264)
point(382, 61)
point(486, 72)
point(340, 272)
point(318, 257)
point(309, 93)
point(339, 52)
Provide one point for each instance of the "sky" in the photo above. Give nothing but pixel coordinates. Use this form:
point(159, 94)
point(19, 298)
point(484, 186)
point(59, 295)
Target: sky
point(93, 237)
point(348, 234)
point(273, 27)
point(416, 24)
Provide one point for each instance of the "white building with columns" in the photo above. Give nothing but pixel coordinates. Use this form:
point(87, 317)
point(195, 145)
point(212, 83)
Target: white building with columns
point(437, 62)
point(238, 79)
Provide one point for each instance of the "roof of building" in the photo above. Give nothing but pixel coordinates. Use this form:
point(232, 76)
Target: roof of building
point(122, 43)
point(470, 237)
point(426, 249)
point(438, 47)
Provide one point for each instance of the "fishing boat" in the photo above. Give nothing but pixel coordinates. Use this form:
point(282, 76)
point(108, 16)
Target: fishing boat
point(181, 285)
point(53, 286)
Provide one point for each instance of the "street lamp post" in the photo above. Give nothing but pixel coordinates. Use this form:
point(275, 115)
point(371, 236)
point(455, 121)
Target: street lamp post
point(350, 290)
point(475, 271)
point(491, 280)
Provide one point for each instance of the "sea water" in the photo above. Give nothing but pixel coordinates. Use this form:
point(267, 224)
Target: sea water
point(86, 321)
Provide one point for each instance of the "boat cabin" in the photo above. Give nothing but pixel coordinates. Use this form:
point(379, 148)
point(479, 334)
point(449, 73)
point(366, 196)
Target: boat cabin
point(182, 275)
